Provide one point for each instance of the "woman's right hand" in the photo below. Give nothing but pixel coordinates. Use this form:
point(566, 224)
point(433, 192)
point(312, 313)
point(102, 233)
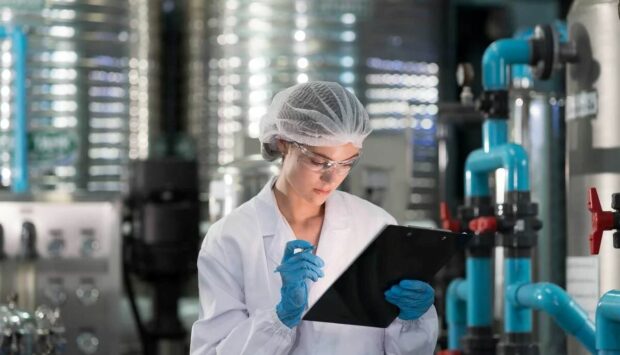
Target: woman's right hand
point(294, 270)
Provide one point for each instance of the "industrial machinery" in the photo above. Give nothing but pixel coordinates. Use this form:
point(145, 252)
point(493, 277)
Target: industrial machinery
point(23, 333)
point(237, 182)
point(160, 245)
point(592, 146)
point(66, 254)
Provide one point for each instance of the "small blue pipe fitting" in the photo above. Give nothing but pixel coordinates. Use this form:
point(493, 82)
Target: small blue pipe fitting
point(517, 319)
point(511, 157)
point(554, 301)
point(456, 312)
point(497, 58)
point(608, 323)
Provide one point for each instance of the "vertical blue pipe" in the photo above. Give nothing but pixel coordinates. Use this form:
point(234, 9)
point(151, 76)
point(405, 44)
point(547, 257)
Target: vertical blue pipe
point(456, 312)
point(20, 159)
point(494, 133)
point(517, 319)
point(479, 304)
point(608, 323)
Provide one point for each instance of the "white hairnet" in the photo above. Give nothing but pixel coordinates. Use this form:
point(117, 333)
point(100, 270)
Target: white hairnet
point(317, 113)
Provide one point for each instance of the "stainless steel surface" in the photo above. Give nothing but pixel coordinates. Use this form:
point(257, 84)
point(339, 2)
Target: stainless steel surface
point(144, 81)
point(77, 93)
point(593, 147)
point(77, 267)
point(237, 182)
point(537, 123)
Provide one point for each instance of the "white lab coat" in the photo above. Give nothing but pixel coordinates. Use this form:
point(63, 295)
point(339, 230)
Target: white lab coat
point(239, 289)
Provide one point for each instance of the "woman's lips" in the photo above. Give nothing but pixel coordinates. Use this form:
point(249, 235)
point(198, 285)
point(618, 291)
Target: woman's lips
point(322, 192)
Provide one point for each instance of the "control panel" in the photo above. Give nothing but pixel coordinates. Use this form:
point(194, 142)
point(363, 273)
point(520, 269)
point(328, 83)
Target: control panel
point(66, 255)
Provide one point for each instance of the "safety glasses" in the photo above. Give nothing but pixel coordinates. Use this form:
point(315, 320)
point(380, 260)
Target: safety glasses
point(319, 163)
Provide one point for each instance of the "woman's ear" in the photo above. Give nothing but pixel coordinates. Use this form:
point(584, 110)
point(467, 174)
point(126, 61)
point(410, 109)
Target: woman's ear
point(282, 147)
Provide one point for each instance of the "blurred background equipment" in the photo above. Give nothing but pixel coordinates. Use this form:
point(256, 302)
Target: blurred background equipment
point(23, 333)
point(128, 127)
point(77, 92)
point(65, 254)
point(161, 245)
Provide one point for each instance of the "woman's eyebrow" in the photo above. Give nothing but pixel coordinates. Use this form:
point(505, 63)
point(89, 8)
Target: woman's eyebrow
point(328, 158)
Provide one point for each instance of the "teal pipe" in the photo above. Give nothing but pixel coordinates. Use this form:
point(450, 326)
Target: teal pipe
point(19, 174)
point(494, 133)
point(480, 294)
point(554, 300)
point(517, 319)
point(511, 157)
point(456, 312)
point(497, 58)
point(19, 182)
point(608, 323)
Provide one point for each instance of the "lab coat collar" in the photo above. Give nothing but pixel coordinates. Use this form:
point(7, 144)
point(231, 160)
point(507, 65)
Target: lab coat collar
point(272, 223)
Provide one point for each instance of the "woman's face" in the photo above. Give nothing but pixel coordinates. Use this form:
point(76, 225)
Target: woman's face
point(305, 171)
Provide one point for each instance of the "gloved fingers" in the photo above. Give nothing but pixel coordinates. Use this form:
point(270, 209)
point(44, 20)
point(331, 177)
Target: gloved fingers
point(302, 272)
point(305, 256)
point(298, 266)
point(411, 302)
point(295, 244)
point(415, 285)
point(408, 294)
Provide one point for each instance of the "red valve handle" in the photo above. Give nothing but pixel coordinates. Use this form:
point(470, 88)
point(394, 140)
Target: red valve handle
point(485, 224)
point(450, 352)
point(447, 222)
point(601, 221)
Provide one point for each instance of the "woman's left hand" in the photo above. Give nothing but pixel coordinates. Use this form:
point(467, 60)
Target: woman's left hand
point(412, 297)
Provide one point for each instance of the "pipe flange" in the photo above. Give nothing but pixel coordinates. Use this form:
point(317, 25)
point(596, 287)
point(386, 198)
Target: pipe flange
point(519, 240)
point(544, 45)
point(493, 103)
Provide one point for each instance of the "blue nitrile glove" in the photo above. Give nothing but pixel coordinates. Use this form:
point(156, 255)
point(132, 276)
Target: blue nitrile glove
point(413, 298)
point(294, 270)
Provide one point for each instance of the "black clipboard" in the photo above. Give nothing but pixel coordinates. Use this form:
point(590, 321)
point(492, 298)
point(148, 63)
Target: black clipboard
point(397, 253)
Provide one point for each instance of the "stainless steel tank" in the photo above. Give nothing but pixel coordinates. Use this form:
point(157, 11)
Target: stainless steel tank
point(237, 182)
point(537, 123)
point(77, 93)
point(144, 82)
point(593, 145)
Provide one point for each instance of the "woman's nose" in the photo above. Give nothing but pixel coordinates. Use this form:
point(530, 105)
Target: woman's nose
point(327, 175)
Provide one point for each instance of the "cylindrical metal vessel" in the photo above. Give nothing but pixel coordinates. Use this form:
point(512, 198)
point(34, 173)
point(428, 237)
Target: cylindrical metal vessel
point(237, 182)
point(537, 123)
point(593, 147)
point(77, 93)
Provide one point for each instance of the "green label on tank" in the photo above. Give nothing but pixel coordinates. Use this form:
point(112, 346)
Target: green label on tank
point(22, 4)
point(52, 145)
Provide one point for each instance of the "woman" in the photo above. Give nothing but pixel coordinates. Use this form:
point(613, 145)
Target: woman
point(254, 286)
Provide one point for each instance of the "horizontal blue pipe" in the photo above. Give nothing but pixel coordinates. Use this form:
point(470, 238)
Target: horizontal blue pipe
point(609, 352)
point(456, 312)
point(511, 157)
point(608, 322)
point(496, 59)
point(479, 292)
point(517, 319)
point(19, 183)
point(554, 300)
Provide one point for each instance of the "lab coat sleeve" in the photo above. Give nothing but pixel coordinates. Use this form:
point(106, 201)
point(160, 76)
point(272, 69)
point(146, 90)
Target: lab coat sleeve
point(412, 336)
point(224, 325)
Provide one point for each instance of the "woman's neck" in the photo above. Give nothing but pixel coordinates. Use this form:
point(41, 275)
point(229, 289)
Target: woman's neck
point(292, 206)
